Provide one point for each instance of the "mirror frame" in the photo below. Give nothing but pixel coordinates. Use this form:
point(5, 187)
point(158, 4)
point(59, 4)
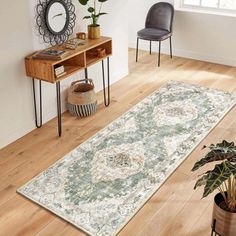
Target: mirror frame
point(67, 17)
point(48, 34)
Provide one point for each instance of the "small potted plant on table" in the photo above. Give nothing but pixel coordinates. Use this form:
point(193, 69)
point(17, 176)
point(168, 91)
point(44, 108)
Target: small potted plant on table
point(223, 178)
point(94, 27)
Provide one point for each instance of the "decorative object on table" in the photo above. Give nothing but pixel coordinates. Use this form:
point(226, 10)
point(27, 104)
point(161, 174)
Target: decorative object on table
point(92, 53)
point(101, 52)
point(222, 178)
point(100, 185)
point(59, 70)
point(74, 43)
point(81, 35)
point(55, 20)
point(94, 27)
point(82, 99)
point(158, 27)
point(50, 54)
point(71, 46)
point(97, 53)
point(94, 32)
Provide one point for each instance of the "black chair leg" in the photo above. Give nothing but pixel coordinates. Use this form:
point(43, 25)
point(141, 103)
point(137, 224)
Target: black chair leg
point(150, 47)
point(137, 49)
point(170, 48)
point(159, 54)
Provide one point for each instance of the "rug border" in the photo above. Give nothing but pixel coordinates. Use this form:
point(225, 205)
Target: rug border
point(157, 187)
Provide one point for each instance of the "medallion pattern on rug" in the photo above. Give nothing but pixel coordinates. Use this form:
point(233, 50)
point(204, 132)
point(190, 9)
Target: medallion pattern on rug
point(101, 184)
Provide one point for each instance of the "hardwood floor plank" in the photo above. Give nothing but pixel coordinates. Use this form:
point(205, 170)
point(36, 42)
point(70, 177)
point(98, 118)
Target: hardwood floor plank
point(202, 225)
point(20, 217)
point(58, 227)
point(148, 211)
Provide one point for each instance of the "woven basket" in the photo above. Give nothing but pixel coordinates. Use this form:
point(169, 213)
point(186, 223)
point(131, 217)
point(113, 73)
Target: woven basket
point(82, 99)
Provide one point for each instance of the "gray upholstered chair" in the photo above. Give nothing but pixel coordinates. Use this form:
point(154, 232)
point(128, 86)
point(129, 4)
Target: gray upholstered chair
point(158, 26)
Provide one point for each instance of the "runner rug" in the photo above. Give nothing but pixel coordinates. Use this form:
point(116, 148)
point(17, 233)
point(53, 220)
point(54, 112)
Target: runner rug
point(100, 186)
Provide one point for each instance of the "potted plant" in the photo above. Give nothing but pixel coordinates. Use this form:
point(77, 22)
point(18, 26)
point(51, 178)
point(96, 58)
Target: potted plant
point(94, 27)
point(223, 178)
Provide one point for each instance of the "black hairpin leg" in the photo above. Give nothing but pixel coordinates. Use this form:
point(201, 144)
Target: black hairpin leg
point(38, 125)
point(150, 47)
point(106, 98)
point(58, 88)
point(86, 73)
point(137, 49)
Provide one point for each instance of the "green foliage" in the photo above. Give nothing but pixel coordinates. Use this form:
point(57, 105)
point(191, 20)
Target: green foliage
point(223, 176)
point(220, 151)
point(94, 14)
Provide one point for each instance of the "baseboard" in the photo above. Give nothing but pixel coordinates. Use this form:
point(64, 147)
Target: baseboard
point(189, 54)
point(202, 57)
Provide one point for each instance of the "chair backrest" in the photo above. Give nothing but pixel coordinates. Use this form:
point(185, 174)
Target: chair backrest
point(160, 16)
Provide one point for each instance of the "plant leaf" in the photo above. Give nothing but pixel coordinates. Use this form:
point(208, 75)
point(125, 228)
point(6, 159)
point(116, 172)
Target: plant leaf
point(202, 180)
point(100, 14)
point(83, 2)
point(219, 152)
point(102, 0)
point(227, 145)
point(214, 156)
point(218, 175)
point(87, 17)
point(91, 9)
point(59, 14)
point(231, 167)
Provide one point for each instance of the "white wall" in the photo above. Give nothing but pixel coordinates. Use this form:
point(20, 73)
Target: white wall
point(206, 37)
point(16, 114)
point(202, 36)
point(19, 38)
point(136, 19)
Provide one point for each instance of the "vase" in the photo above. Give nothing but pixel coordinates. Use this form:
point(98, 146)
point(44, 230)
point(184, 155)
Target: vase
point(223, 222)
point(94, 32)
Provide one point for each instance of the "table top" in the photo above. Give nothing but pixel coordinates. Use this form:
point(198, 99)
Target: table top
point(89, 44)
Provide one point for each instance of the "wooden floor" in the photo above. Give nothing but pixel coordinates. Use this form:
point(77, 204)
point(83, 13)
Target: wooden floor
point(174, 210)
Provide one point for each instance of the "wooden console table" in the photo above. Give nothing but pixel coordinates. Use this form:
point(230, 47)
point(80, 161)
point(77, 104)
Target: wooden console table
point(74, 61)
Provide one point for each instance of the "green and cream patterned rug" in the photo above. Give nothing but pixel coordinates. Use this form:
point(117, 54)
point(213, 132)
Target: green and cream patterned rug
point(100, 185)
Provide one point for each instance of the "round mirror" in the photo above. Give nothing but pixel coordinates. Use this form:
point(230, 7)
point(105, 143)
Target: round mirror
point(55, 20)
point(57, 17)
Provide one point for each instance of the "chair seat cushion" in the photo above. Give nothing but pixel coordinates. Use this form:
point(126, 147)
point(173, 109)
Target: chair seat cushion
point(154, 34)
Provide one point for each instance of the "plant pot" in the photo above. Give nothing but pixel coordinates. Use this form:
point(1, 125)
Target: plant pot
point(224, 220)
point(93, 32)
